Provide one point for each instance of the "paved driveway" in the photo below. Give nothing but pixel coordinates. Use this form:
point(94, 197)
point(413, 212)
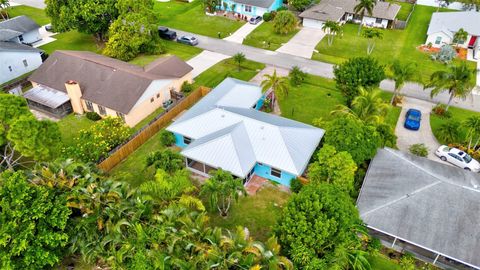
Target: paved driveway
point(242, 32)
point(32, 3)
point(424, 135)
point(303, 43)
point(204, 61)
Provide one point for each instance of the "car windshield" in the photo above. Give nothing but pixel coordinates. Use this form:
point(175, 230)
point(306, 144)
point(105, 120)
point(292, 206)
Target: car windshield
point(467, 158)
point(414, 117)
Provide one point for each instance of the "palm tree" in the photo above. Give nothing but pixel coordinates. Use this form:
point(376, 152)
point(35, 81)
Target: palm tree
point(449, 132)
point(368, 106)
point(362, 7)
point(278, 84)
point(297, 76)
point(239, 58)
point(222, 189)
point(332, 29)
point(460, 36)
point(4, 4)
point(401, 74)
point(473, 125)
point(456, 80)
point(371, 34)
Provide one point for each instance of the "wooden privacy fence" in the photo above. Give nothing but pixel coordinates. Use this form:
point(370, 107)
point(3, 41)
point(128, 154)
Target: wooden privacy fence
point(136, 140)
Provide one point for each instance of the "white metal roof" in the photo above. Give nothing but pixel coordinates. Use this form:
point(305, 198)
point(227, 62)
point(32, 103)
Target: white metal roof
point(451, 22)
point(234, 139)
point(46, 96)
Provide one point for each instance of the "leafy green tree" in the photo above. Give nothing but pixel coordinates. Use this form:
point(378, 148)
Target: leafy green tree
point(297, 76)
point(450, 132)
point(362, 7)
point(387, 135)
point(332, 29)
point(300, 5)
point(472, 123)
point(132, 34)
point(368, 106)
point(371, 34)
point(460, 36)
point(457, 80)
point(315, 223)
point(222, 190)
point(239, 58)
point(278, 84)
point(167, 138)
point(401, 74)
point(34, 218)
point(358, 72)
point(165, 159)
point(284, 22)
point(354, 137)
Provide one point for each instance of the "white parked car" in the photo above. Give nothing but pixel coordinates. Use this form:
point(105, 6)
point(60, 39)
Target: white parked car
point(458, 158)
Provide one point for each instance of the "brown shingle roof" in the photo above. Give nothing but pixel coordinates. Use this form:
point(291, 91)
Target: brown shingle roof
point(106, 81)
point(329, 10)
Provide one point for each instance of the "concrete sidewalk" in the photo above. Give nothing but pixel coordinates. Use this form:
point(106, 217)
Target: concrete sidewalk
point(242, 32)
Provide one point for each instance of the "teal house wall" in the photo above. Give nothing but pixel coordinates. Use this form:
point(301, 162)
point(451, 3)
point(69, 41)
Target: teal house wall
point(255, 10)
point(179, 140)
point(265, 171)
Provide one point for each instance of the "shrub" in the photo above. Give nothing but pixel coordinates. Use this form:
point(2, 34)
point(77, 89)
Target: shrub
point(282, 8)
point(167, 138)
point(419, 149)
point(446, 54)
point(450, 132)
point(93, 116)
point(296, 185)
point(297, 76)
point(441, 110)
point(285, 22)
point(267, 16)
point(187, 87)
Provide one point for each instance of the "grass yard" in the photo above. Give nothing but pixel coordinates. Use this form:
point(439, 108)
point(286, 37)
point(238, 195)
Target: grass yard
point(265, 38)
point(381, 262)
point(457, 114)
point(72, 40)
point(70, 126)
point(259, 213)
point(182, 51)
point(404, 11)
point(191, 17)
point(396, 44)
point(228, 68)
point(148, 119)
point(35, 14)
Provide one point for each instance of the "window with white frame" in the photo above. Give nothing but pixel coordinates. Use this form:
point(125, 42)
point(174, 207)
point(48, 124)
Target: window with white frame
point(89, 105)
point(248, 8)
point(276, 172)
point(102, 110)
point(438, 40)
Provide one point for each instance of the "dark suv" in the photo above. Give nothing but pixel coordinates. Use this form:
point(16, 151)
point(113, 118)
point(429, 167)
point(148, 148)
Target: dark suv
point(166, 33)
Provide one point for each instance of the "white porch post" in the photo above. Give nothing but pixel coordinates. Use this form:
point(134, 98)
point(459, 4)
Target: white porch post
point(436, 258)
point(204, 170)
point(394, 241)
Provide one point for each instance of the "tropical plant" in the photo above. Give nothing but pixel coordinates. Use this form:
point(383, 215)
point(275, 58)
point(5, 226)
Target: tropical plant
point(371, 34)
point(4, 5)
point(210, 5)
point(300, 5)
point(472, 123)
point(418, 149)
point(368, 106)
point(278, 84)
point(450, 131)
point(239, 58)
point(457, 80)
point(296, 185)
point(358, 72)
point(297, 76)
point(332, 29)
point(284, 22)
point(387, 135)
point(222, 190)
point(165, 159)
point(401, 73)
point(167, 138)
point(362, 7)
point(460, 36)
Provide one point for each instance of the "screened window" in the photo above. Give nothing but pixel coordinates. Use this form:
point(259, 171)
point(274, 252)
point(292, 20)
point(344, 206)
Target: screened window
point(276, 173)
point(378, 20)
point(152, 99)
point(89, 105)
point(121, 115)
point(187, 140)
point(248, 8)
point(25, 63)
point(20, 38)
point(102, 110)
point(438, 40)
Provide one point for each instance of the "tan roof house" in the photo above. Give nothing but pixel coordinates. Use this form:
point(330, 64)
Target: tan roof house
point(85, 81)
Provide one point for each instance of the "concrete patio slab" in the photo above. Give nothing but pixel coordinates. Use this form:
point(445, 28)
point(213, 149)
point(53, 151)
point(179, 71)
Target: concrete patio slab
point(303, 43)
point(204, 61)
point(242, 32)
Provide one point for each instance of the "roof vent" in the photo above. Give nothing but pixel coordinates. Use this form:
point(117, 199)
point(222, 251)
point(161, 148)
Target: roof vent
point(262, 127)
point(223, 115)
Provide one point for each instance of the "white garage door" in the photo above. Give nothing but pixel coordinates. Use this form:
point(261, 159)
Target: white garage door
point(312, 23)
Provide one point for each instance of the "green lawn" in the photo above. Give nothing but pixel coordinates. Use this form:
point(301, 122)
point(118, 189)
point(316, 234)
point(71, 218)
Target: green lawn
point(457, 114)
point(147, 119)
point(72, 40)
point(191, 17)
point(381, 262)
point(404, 11)
point(396, 44)
point(70, 126)
point(182, 51)
point(264, 37)
point(35, 14)
point(259, 213)
point(228, 68)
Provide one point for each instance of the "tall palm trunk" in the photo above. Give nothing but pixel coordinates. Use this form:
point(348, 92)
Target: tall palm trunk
point(395, 91)
point(360, 25)
point(449, 101)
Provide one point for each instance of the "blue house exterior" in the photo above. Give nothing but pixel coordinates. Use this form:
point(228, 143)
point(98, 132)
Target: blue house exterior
point(251, 7)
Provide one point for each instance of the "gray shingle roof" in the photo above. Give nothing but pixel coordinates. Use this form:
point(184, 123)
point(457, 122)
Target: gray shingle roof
point(427, 203)
point(7, 34)
point(21, 24)
point(256, 3)
point(333, 10)
point(451, 22)
point(12, 46)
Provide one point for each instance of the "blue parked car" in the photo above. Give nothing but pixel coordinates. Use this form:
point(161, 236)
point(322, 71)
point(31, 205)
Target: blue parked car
point(412, 119)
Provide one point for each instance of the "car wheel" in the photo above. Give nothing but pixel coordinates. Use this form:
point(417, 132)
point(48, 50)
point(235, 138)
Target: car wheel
point(443, 158)
point(467, 169)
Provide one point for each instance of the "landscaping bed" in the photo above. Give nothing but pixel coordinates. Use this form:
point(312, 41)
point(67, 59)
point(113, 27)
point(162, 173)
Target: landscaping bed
point(265, 38)
point(457, 114)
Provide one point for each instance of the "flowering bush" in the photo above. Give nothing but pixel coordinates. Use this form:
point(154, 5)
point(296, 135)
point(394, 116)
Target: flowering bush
point(96, 141)
point(440, 110)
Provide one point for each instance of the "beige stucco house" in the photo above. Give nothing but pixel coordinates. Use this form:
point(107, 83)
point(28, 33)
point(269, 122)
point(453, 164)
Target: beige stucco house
point(82, 82)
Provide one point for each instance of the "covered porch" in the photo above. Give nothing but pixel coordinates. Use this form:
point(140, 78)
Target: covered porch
point(49, 101)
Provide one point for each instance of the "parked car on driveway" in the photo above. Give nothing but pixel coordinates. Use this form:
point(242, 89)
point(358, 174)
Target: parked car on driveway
point(166, 33)
point(412, 119)
point(189, 40)
point(255, 20)
point(458, 158)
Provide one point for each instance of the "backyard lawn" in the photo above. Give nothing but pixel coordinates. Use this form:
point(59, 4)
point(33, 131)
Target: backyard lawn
point(70, 126)
point(35, 14)
point(265, 38)
point(396, 44)
point(404, 11)
point(228, 68)
point(381, 262)
point(191, 17)
point(457, 114)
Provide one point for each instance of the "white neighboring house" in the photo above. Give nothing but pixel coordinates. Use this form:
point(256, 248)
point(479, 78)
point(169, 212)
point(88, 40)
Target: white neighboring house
point(444, 25)
point(20, 29)
point(383, 14)
point(17, 59)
